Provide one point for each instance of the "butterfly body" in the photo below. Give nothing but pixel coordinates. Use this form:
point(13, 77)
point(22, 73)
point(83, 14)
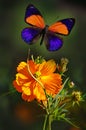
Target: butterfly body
point(49, 34)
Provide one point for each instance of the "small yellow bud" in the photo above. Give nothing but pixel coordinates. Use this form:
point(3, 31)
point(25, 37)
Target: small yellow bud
point(71, 84)
point(62, 67)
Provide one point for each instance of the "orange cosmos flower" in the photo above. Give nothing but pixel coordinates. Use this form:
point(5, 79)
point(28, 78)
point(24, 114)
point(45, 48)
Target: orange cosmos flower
point(34, 79)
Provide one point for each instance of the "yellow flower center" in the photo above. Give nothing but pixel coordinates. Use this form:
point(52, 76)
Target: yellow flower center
point(37, 74)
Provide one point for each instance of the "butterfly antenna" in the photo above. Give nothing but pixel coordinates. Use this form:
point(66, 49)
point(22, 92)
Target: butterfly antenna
point(56, 18)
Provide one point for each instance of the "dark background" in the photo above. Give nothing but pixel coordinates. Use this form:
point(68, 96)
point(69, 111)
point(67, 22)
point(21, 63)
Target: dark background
point(13, 50)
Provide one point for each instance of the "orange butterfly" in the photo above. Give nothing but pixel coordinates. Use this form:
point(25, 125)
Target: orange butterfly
point(48, 33)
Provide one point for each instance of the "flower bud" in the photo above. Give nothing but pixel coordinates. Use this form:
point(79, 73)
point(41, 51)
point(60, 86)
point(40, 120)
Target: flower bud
point(62, 67)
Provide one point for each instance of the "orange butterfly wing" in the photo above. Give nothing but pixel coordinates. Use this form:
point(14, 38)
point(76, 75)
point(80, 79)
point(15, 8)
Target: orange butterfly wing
point(34, 17)
point(62, 27)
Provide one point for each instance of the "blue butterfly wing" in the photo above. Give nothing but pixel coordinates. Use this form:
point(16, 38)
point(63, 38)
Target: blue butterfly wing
point(30, 34)
point(31, 10)
point(53, 42)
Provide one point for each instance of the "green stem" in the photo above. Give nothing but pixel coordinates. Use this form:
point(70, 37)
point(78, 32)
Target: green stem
point(7, 93)
point(47, 123)
point(69, 122)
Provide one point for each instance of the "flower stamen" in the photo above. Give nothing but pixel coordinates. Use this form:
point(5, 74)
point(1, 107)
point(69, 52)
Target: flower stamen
point(37, 74)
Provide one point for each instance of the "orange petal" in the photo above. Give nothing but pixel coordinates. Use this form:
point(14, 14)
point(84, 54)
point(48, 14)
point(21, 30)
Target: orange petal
point(32, 66)
point(39, 92)
point(26, 90)
point(23, 69)
point(28, 98)
point(18, 88)
point(47, 67)
point(21, 79)
point(52, 83)
point(21, 66)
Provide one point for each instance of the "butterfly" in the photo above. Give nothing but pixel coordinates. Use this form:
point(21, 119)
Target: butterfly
point(49, 34)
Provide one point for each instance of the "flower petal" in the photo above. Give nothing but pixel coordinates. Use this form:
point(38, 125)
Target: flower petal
point(28, 98)
point(21, 79)
point(26, 90)
point(18, 87)
point(32, 66)
point(52, 83)
point(48, 67)
point(39, 92)
point(21, 66)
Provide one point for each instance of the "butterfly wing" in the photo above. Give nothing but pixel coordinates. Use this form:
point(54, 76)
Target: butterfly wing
point(53, 42)
point(34, 17)
point(63, 26)
point(30, 34)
